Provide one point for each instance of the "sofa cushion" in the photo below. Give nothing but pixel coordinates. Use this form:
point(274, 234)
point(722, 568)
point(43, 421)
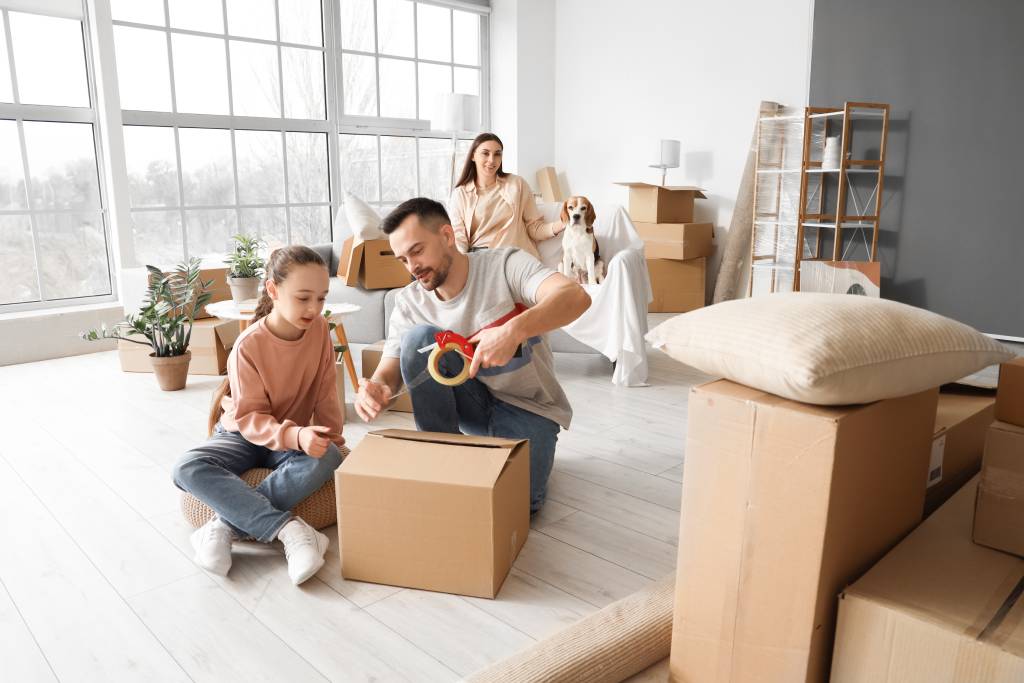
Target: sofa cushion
point(366, 326)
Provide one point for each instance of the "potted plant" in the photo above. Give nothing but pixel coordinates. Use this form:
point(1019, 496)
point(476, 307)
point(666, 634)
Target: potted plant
point(245, 268)
point(339, 365)
point(165, 320)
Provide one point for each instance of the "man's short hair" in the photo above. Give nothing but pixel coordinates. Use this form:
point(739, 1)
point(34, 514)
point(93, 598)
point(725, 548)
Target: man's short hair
point(431, 214)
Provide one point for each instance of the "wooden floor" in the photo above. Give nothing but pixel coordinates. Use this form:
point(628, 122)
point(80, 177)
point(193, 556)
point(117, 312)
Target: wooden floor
point(97, 581)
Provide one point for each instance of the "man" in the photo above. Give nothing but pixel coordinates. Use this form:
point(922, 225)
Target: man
point(512, 390)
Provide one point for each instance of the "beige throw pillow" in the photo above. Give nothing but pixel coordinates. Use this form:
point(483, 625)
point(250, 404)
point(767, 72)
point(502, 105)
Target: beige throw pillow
point(827, 349)
point(362, 219)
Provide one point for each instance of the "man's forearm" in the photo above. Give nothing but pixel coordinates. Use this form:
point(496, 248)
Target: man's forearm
point(389, 373)
point(562, 306)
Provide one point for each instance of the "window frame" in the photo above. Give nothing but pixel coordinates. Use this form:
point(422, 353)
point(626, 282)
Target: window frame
point(48, 113)
point(232, 122)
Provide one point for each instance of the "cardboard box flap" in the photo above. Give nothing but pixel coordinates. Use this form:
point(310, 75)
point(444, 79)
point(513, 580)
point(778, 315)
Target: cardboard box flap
point(228, 333)
point(453, 439)
point(940, 575)
point(354, 261)
point(955, 408)
point(697, 191)
point(438, 458)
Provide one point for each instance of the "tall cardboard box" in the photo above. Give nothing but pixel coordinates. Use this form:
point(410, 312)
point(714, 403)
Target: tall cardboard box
point(999, 513)
point(662, 203)
point(679, 241)
point(1010, 394)
point(961, 423)
point(210, 344)
point(937, 609)
point(371, 359)
point(677, 286)
point(547, 181)
point(372, 265)
point(783, 505)
point(440, 512)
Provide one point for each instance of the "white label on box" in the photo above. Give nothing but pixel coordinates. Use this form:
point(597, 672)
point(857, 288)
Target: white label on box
point(935, 464)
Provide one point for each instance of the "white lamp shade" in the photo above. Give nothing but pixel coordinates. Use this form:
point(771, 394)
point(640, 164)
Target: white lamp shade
point(457, 113)
point(670, 153)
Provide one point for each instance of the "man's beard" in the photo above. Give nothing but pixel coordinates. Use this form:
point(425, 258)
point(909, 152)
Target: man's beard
point(437, 275)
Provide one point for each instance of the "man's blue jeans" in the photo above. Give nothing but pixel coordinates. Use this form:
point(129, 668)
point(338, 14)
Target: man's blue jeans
point(212, 473)
point(470, 408)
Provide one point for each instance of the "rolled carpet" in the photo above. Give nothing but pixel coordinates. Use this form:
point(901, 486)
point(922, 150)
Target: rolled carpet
point(608, 646)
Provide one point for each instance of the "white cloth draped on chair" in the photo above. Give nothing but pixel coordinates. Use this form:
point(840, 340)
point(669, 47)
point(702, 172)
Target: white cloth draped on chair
point(616, 322)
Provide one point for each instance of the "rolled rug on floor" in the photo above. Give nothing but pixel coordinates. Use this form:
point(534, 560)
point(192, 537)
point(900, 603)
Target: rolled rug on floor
point(609, 646)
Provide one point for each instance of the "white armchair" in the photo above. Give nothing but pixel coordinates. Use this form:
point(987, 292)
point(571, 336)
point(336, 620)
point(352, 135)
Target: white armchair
point(616, 322)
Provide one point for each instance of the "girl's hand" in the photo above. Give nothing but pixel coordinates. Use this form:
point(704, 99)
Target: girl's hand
point(312, 441)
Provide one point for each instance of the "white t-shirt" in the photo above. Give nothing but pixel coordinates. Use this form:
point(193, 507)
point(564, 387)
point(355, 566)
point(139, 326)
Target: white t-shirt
point(498, 280)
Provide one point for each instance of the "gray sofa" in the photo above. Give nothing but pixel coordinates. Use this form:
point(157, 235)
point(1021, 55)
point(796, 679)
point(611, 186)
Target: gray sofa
point(370, 324)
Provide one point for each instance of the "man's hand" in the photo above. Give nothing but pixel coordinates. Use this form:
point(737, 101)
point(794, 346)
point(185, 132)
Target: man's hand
point(312, 441)
point(373, 397)
point(495, 347)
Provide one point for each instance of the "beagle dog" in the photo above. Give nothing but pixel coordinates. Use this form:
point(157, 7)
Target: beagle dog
point(581, 258)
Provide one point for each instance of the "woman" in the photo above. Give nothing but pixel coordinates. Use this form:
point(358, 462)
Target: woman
point(492, 208)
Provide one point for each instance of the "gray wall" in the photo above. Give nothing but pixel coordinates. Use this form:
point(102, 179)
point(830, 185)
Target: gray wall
point(952, 236)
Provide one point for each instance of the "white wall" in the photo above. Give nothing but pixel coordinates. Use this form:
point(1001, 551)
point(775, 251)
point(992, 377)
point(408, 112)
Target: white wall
point(630, 72)
point(523, 83)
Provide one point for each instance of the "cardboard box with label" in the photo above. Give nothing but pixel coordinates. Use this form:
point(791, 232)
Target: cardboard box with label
point(937, 609)
point(784, 504)
point(372, 265)
point(371, 359)
point(999, 514)
point(1010, 394)
point(662, 203)
point(679, 241)
point(439, 512)
point(677, 286)
point(211, 341)
point(961, 423)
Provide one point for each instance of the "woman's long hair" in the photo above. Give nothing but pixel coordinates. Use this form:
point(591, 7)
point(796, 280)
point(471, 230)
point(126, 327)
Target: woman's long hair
point(279, 264)
point(469, 168)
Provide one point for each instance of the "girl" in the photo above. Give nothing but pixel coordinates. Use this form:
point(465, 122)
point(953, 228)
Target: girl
point(492, 208)
point(278, 408)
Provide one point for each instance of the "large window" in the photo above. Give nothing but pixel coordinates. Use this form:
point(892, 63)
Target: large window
point(53, 236)
point(398, 58)
point(226, 129)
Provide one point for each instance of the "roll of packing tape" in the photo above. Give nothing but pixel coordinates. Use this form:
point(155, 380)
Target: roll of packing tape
point(434, 363)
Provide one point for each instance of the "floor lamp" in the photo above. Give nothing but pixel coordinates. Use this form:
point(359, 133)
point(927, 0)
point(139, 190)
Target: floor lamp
point(457, 113)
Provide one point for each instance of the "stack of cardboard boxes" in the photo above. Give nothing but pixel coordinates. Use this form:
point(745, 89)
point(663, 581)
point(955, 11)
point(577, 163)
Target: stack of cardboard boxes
point(945, 604)
point(785, 504)
point(676, 248)
point(211, 341)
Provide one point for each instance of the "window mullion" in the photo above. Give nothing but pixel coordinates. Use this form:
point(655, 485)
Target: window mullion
point(32, 216)
point(10, 57)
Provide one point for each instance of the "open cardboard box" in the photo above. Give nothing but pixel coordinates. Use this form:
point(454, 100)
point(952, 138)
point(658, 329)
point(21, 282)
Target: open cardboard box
point(440, 512)
point(211, 341)
point(371, 264)
point(661, 203)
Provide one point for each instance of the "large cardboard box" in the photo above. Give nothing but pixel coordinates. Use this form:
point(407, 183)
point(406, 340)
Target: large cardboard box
point(961, 423)
point(212, 339)
point(372, 265)
point(1010, 394)
point(677, 286)
point(937, 609)
point(678, 241)
point(371, 359)
point(999, 514)
point(783, 505)
point(440, 512)
point(662, 203)
point(547, 181)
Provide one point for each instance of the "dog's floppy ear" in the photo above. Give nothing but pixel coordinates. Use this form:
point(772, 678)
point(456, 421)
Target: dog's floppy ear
point(565, 212)
point(591, 214)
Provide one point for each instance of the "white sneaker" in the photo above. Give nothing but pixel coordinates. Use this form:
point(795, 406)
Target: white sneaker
point(212, 543)
point(304, 547)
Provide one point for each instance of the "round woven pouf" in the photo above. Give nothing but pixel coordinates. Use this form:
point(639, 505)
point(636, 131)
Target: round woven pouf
point(319, 510)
